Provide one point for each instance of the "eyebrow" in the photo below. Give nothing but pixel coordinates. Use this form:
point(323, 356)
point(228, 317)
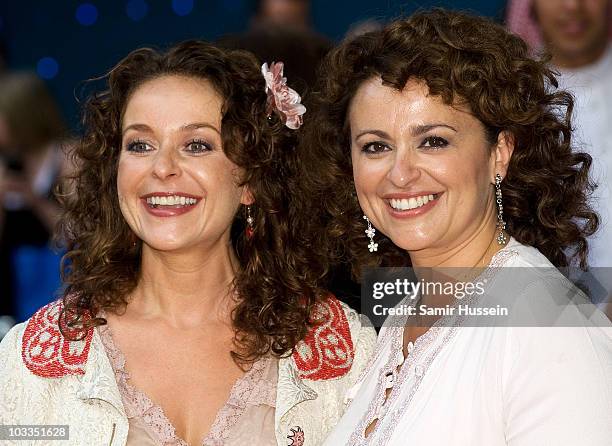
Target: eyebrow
point(199, 125)
point(196, 125)
point(414, 130)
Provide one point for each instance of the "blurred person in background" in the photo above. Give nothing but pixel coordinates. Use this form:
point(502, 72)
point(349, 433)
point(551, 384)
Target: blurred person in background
point(300, 49)
point(280, 30)
point(32, 132)
point(577, 35)
point(287, 13)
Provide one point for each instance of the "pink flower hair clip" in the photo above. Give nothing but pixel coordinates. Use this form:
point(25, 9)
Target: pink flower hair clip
point(282, 99)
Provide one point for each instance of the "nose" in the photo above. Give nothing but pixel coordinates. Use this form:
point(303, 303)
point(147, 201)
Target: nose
point(165, 164)
point(405, 169)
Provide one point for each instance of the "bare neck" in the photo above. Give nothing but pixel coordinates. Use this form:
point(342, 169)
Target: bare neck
point(187, 288)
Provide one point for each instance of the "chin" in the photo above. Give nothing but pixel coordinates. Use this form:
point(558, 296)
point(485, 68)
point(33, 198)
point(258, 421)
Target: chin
point(411, 237)
point(166, 245)
point(410, 243)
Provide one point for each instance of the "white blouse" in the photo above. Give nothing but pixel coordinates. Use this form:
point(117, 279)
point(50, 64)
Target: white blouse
point(489, 386)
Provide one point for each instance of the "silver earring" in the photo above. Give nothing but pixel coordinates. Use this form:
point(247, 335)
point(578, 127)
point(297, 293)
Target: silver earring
point(501, 224)
point(370, 232)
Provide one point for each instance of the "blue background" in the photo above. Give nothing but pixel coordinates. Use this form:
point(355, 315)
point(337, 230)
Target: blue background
point(71, 41)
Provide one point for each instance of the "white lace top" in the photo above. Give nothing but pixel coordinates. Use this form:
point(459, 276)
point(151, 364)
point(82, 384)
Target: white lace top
point(487, 386)
point(246, 416)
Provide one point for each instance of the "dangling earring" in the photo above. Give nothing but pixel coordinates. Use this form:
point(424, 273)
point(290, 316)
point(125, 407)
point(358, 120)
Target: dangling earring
point(134, 238)
point(370, 232)
point(250, 230)
point(501, 224)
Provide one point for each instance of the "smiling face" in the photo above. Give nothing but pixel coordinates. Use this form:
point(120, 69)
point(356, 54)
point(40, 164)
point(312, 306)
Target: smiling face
point(177, 189)
point(577, 31)
point(423, 170)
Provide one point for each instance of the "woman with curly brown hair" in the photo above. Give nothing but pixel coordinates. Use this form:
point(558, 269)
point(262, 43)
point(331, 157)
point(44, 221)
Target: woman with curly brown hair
point(191, 313)
point(449, 147)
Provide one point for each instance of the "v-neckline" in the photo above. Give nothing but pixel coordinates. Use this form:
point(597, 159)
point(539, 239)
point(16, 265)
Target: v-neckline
point(153, 414)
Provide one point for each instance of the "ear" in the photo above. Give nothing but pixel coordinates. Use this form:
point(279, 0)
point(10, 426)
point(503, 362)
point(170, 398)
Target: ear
point(502, 153)
point(247, 197)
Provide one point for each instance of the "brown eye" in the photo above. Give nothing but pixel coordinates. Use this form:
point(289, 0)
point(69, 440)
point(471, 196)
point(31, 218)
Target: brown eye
point(434, 142)
point(375, 147)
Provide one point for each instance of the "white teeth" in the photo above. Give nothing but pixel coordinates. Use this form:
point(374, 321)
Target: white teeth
point(173, 200)
point(405, 204)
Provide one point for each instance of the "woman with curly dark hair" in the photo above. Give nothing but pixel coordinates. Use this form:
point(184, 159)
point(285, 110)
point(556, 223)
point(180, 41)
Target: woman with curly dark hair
point(192, 312)
point(449, 147)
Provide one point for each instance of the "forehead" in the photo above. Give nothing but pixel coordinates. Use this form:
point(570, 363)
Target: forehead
point(174, 99)
point(381, 106)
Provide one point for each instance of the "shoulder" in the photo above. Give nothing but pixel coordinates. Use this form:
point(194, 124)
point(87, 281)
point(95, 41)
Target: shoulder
point(46, 352)
point(335, 343)
point(554, 323)
point(10, 349)
point(540, 294)
point(516, 254)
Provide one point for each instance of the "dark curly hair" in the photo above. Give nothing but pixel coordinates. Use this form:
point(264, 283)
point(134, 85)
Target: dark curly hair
point(465, 60)
point(276, 284)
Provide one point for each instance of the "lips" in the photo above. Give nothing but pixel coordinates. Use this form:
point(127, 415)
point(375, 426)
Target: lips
point(169, 204)
point(573, 28)
point(411, 205)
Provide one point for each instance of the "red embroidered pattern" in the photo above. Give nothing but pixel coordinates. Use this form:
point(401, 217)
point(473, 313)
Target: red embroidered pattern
point(44, 350)
point(327, 350)
point(296, 437)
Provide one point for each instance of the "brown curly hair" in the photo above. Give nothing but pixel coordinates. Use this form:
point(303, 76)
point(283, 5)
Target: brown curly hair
point(464, 60)
point(276, 285)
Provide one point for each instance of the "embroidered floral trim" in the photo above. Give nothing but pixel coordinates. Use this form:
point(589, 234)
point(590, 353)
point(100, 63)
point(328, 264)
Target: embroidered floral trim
point(296, 437)
point(45, 351)
point(375, 408)
point(383, 338)
point(327, 350)
point(249, 390)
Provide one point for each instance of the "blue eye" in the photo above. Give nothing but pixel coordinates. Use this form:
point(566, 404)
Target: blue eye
point(434, 142)
point(198, 146)
point(138, 147)
point(375, 147)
